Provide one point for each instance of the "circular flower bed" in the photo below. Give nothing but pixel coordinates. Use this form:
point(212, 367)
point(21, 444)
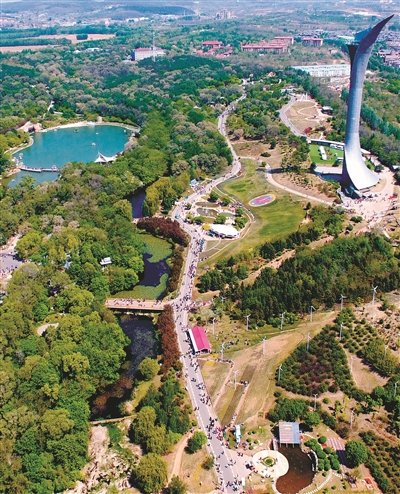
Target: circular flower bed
point(262, 200)
point(268, 461)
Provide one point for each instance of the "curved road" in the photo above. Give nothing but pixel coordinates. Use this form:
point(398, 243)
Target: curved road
point(206, 415)
point(286, 121)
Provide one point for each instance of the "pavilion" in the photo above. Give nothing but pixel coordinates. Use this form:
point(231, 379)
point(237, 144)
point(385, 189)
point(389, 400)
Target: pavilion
point(199, 340)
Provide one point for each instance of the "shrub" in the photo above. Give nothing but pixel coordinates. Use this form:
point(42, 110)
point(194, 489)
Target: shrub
point(322, 440)
point(196, 442)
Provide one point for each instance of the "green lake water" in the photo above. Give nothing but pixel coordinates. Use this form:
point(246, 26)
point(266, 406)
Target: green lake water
point(58, 147)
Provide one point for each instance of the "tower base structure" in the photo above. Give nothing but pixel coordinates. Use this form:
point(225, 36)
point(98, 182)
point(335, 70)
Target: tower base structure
point(356, 175)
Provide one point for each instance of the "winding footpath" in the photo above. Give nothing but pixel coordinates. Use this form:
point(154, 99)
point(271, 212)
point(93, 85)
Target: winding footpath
point(271, 180)
point(229, 481)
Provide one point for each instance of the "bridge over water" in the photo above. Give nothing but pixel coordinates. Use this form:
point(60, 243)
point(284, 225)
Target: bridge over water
point(133, 304)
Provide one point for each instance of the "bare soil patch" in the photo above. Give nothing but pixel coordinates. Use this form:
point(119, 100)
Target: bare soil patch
point(304, 114)
point(198, 479)
point(364, 377)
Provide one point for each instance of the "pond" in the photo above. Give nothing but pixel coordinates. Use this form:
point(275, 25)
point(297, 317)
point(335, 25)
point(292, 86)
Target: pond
point(56, 147)
point(300, 472)
point(137, 200)
point(140, 330)
point(153, 282)
point(331, 177)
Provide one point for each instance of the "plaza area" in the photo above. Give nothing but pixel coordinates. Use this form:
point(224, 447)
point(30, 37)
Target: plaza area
point(270, 464)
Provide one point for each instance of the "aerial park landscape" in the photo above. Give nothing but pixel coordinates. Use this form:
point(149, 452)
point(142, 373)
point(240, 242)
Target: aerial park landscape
point(194, 305)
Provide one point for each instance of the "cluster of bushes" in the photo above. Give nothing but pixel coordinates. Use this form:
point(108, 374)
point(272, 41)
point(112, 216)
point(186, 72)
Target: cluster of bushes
point(364, 341)
point(320, 368)
point(288, 410)
point(224, 273)
point(168, 340)
point(381, 358)
point(161, 421)
point(383, 461)
point(165, 191)
point(196, 442)
point(164, 227)
point(327, 458)
point(177, 261)
point(162, 417)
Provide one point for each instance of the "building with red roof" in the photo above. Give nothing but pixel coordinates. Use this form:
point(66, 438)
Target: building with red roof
point(199, 339)
point(212, 44)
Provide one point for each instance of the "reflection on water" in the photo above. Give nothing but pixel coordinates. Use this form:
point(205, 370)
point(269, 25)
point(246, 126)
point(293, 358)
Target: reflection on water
point(137, 200)
point(300, 472)
point(153, 271)
point(140, 331)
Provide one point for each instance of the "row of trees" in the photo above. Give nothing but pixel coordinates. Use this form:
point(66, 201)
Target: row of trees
point(164, 227)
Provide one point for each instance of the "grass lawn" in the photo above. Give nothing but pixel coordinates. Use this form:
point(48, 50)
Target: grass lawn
point(254, 366)
point(278, 218)
point(330, 153)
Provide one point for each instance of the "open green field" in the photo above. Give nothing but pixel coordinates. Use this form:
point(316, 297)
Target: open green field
point(278, 218)
point(331, 154)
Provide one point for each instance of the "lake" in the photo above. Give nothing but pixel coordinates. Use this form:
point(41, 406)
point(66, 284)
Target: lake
point(60, 146)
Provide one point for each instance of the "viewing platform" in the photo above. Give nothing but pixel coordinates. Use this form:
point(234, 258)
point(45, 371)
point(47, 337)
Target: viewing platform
point(135, 304)
point(39, 170)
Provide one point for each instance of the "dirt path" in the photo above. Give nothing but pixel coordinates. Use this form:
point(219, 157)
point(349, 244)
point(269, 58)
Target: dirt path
point(179, 450)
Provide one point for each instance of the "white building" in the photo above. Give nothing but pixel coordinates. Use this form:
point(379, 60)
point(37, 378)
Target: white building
point(142, 53)
point(338, 70)
point(224, 231)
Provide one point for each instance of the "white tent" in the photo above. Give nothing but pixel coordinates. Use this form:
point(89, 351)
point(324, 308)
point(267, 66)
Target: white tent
point(227, 231)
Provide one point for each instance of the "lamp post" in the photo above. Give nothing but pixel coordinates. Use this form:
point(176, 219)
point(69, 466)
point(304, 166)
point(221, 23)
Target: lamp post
point(351, 418)
point(341, 301)
point(247, 321)
point(279, 372)
point(315, 402)
point(395, 389)
point(341, 329)
point(311, 309)
point(282, 318)
point(374, 289)
point(213, 321)
point(263, 345)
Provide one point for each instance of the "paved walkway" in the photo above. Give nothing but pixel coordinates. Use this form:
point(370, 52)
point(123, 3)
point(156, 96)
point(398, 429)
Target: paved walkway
point(228, 476)
point(271, 180)
point(133, 304)
point(278, 469)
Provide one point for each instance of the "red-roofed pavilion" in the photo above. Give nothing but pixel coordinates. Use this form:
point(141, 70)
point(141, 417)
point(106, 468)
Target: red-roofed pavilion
point(199, 339)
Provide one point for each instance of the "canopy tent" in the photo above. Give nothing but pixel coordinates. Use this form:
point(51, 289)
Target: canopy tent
point(199, 339)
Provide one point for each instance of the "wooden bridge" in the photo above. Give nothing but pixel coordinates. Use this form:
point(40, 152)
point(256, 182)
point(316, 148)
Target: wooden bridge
point(135, 304)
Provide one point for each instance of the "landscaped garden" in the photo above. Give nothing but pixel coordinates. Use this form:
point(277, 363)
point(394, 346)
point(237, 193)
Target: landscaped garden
point(331, 154)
